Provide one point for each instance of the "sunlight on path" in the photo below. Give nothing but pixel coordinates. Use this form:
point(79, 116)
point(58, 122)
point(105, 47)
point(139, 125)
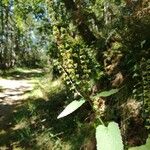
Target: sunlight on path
point(12, 91)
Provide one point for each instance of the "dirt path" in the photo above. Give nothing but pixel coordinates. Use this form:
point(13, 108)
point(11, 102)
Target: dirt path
point(13, 93)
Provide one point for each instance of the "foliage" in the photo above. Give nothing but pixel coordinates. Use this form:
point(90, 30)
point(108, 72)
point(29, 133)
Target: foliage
point(109, 138)
point(143, 147)
point(71, 108)
point(20, 40)
point(100, 49)
point(107, 93)
point(98, 40)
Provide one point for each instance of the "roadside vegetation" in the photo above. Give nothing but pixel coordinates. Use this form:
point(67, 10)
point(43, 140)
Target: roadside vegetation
point(75, 74)
point(33, 123)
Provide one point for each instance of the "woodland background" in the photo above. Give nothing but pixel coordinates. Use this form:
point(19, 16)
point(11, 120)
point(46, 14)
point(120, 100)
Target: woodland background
point(83, 47)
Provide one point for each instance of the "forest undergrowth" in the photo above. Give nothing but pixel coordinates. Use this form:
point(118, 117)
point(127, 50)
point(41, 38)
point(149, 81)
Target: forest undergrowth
point(33, 123)
point(92, 56)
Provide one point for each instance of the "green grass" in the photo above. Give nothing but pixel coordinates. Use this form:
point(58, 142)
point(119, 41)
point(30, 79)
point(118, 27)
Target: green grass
point(22, 73)
point(35, 124)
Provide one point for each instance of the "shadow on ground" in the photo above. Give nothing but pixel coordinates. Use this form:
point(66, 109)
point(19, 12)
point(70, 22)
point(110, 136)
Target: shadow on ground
point(13, 89)
point(23, 74)
point(35, 126)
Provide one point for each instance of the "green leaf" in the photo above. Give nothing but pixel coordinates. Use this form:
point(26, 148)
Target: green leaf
point(107, 93)
point(71, 108)
point(109, 138)
point(143, 147)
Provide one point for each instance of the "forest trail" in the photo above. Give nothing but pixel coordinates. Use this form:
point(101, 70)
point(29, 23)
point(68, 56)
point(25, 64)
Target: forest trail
point(13, 93)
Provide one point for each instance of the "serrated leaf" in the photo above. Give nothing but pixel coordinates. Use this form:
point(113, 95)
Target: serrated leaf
point(109, 138)
point(107, 93)
point(143, 147)
point(71, 108)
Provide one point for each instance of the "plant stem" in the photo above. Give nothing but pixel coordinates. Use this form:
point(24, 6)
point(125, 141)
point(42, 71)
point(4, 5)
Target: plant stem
point(101, 121)
point(81, 94)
